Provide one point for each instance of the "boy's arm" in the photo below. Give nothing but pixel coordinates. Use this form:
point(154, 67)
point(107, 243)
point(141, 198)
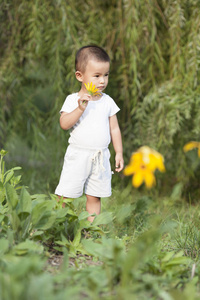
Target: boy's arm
point(68, 120)
point(117, 143)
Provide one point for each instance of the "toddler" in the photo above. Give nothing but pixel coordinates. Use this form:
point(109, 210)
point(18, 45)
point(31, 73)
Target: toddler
point(93, 123)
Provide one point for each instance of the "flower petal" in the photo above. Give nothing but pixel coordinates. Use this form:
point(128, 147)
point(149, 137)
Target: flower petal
point(191, 145)
point(161, 166)
point(136, 157)
point(91, 89)
point(149, 179)
point(159, 162)
point(137, 179)
point(129, 170)
point(87, 86)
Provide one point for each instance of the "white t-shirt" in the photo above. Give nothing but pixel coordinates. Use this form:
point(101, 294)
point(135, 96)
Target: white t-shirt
point(92, 130)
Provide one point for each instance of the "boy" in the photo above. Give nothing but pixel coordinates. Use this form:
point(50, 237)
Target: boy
point(93, 123)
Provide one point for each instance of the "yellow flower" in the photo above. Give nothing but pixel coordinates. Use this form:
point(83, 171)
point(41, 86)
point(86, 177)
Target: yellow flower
point(142, 165)
point(92, 90)
point(153, 159)
point(191, 145)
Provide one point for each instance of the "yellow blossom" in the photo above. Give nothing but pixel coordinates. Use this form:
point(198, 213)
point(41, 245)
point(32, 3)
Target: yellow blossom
point(142, 166)
point(153, 159)
point(92, 90)
point(191, 145)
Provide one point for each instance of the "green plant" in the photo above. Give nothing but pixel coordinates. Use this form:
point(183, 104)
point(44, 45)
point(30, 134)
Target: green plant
point(7, 176)
point(26, 218)
point(77, 227)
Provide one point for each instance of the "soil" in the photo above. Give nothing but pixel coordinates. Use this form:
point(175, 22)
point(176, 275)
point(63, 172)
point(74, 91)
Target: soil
point(56, 259)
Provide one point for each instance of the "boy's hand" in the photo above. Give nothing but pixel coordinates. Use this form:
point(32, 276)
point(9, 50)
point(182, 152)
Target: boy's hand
point(83, 101)
point(119, 162)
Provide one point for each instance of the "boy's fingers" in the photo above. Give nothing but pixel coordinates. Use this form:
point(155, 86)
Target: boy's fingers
point(86, 97)
point(119, 166)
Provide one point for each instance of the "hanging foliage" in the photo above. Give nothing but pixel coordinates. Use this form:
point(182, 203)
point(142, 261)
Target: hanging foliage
point(155, 52)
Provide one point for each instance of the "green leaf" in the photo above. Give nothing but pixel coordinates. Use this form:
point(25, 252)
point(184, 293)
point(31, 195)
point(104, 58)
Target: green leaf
point(4, 246)
point(61, 213)
point(77, 239)
point(103, 218)
point(40, 209)
point(46, 221)
point(37, 233)
point(71, 213)
point(25, 219)
point(96, 229)
point(168, 256)
point(38, 198)
point(14, 169)
point(178, 261)
point(177, 191)
point(92, 248)
point(83, 215)
point(63, 243)
point(24, 201)
point(23, 216)
point(85, 224)
point(2, 192)
point(1, 217)
point(28, 246)
point(9, 175)
point(11, 196)
point(175, 259)
point(15, 221)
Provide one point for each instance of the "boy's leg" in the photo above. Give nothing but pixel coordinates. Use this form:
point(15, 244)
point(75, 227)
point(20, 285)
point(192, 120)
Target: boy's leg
point(93, 205)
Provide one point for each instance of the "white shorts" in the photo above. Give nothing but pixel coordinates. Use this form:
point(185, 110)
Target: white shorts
point(85, 168)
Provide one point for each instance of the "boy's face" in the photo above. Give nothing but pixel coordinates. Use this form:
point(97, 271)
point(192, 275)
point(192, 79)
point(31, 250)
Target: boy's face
point(96, 72)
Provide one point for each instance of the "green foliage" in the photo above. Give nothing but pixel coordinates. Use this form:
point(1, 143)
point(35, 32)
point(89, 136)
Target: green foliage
point(148, 251)
point(26, 219)
point(76, 226)
point(154, 48)
point(167, 119)
point(121, 275)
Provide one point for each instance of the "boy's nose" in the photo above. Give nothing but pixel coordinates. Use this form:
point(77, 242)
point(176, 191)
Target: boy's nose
point(102, 79)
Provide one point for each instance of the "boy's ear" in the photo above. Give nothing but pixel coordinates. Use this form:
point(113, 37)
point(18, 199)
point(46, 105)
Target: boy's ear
point(79, 76)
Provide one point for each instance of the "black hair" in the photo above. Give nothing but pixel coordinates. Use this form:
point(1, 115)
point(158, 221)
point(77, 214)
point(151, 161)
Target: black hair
point(89, 52)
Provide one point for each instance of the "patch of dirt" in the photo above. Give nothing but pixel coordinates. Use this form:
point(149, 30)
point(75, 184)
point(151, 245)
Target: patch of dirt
point(56, 259)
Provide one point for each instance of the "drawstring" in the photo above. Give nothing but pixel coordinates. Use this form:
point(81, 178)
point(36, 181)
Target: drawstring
point(98, 160)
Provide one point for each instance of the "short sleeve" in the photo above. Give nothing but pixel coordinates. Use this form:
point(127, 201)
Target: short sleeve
point(113, 107)
point(71, 103)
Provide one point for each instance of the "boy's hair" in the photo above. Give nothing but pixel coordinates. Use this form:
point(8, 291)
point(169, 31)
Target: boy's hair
point(84, 54)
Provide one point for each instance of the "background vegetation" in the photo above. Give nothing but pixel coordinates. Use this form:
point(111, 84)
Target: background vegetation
point(154, 46)
point(155, 52)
